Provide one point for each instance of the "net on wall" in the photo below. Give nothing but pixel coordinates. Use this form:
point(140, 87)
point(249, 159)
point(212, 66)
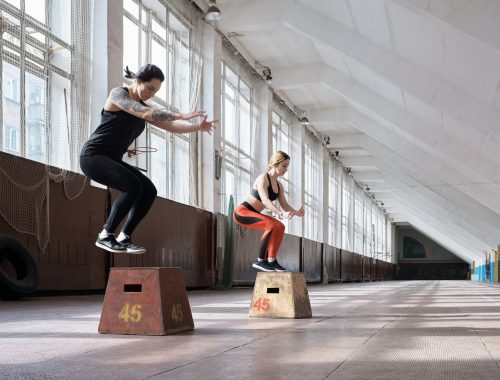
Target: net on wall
point(45, 102)
point(187, 48)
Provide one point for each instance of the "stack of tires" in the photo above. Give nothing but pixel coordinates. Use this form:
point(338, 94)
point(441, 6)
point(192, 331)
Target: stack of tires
point(26, 280)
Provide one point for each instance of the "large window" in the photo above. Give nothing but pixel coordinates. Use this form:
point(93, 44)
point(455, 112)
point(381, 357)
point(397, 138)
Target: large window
point(347, 212)
point(358, 219)
point(367, 239)
point(42, 55)
point(313, 194)
point(164, 39)
point(334, 203)
point(238, 136)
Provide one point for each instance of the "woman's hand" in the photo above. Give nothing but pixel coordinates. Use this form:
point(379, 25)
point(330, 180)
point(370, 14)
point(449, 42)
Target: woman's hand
point(287, 214)
point(300, 211)
point(192, 115)
point(207, 126)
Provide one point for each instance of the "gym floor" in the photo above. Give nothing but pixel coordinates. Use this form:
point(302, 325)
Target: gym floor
point(379, 330)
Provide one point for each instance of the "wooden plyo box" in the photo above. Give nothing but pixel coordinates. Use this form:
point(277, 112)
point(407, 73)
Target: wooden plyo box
point(145, 301)
point(280, 295)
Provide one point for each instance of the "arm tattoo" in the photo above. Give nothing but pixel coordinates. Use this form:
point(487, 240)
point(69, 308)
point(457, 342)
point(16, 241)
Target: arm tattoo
point(161, 115)
point(123, 99)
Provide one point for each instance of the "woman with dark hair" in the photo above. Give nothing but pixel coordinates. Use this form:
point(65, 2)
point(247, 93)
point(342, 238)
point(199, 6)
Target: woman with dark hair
point(123, 119)
point(267, 189)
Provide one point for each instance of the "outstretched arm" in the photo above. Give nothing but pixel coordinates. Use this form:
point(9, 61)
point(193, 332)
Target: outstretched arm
point(172, 122)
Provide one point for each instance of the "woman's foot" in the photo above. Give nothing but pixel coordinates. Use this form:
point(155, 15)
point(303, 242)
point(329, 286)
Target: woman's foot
point(131, 247)
point(263, 265)
point(276, 266)
point(110, 244)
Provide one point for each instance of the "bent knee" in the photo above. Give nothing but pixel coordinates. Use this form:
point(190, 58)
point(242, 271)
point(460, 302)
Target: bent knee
point(276, 225)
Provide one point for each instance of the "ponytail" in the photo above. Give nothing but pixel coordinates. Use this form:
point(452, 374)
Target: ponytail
point(129, 74)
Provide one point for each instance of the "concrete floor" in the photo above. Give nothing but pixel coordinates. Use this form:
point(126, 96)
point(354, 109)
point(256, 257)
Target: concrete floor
point(383, 330)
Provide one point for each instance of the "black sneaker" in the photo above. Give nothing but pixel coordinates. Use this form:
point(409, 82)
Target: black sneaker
point(131, 247)
point(276, 266)
point(110, 244)
point(263, 266)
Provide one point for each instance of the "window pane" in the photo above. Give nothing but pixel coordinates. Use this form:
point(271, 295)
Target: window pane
point(180, 30)
point(130, 45)
point(143, 58)
point(276, 118)
point(60, 56)
point(244, 186)
point(229, 125)
point(245, 90)
point(131, 7)
point(60, 95)
point(159, 161)
point(60, 19)
point(181, 189)
point(35, 117)
point(159, 58)
point(11, 108)
point(245, 128)
point(230, 91)
point(231, 77)
point(181, 77)
point(159, 30)
point(36, 9)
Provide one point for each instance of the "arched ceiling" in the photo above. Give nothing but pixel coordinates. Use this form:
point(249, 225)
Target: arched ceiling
point(408, 92)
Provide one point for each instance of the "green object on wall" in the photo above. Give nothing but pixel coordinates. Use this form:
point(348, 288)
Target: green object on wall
point(413, 249)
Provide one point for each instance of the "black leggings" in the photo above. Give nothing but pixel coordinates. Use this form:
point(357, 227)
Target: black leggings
point(138, 192)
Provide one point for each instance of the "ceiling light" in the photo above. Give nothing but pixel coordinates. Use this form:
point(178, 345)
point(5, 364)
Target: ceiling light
point(304, 120)
point(267, 73)
point(213, 12)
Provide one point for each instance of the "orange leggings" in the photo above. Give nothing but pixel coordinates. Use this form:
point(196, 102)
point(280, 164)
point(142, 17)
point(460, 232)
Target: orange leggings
point(246, 216)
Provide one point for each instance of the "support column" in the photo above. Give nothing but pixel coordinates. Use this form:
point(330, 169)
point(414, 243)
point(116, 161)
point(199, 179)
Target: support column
point(209, 169)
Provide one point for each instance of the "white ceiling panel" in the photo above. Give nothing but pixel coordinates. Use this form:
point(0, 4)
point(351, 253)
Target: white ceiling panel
point(417, 37)
point(370, 20)
point(365, 76)
point(471, 65)
point(333, 58)
point(338, 10)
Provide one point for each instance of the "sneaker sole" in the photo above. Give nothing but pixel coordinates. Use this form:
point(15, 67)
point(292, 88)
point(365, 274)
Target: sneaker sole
point(281, 270)
point(102, 246)
point(262, 269)
point(135, 251)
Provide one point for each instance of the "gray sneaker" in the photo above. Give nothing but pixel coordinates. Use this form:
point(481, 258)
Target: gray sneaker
point(276, 266)
point(131, 247)
point(263, 266)
point(110, 244)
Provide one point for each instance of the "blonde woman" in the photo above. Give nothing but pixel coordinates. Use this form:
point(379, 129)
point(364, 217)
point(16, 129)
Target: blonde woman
point(267, 189)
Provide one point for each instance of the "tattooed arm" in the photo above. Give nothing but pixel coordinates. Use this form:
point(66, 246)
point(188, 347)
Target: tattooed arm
point(172, 122)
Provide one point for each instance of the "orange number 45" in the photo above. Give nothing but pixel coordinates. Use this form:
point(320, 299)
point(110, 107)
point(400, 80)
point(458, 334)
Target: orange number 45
point(261, 304)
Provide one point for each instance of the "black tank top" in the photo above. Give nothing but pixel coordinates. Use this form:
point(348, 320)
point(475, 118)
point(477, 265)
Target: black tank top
point(272, 195)
point(115, 134)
